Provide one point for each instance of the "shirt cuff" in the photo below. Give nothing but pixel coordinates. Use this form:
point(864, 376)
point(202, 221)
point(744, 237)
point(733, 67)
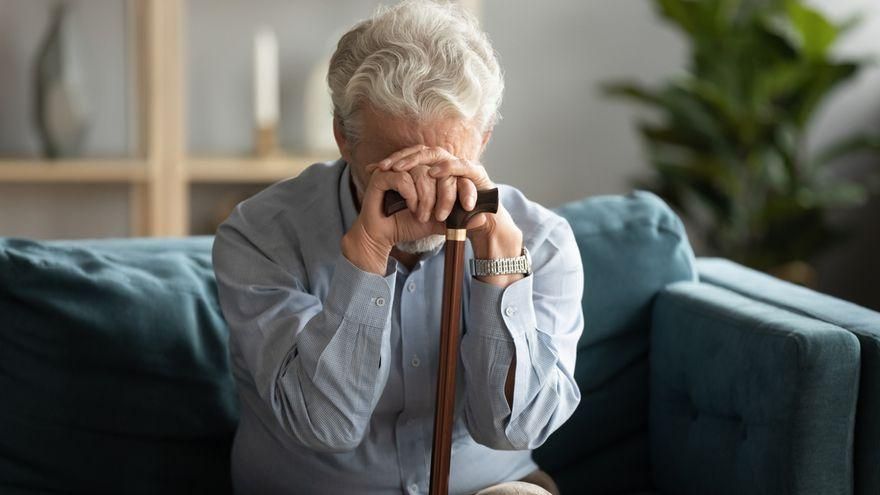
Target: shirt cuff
point(361, 296)
point(502, 312)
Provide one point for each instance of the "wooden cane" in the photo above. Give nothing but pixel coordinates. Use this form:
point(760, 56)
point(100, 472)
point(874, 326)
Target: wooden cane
point(453, 269)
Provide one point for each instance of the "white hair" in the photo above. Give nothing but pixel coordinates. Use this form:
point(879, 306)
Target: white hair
point(419, 59)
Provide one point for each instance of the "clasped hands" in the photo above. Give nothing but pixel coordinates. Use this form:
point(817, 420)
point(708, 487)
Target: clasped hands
point(429, 179)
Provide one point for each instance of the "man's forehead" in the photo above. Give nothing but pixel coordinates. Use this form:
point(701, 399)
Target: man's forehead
point(394, 133)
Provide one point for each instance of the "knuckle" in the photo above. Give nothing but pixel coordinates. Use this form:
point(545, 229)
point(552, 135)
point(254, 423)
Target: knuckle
point(425, 187)
point(449, 193)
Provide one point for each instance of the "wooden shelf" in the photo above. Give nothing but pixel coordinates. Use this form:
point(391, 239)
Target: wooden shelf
point(63, 171)
point(220, 170)
point(160, 182)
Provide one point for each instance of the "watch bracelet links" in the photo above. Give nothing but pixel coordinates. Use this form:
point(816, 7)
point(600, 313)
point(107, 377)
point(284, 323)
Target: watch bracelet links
point(499, 266)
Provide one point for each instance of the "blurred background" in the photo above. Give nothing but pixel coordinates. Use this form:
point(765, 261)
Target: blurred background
point(756, 120)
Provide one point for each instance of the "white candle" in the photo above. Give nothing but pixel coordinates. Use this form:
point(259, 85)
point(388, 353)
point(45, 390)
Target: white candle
point(265, 78)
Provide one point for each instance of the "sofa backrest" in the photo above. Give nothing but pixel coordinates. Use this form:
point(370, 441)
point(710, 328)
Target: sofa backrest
point(114, 374)
point(631, 247)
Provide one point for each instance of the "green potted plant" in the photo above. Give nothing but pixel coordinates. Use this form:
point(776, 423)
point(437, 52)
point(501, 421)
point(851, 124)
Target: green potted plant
point(728, 138)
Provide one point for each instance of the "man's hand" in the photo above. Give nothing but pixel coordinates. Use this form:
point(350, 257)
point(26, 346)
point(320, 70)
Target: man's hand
point(368, 243)
point(492, 236)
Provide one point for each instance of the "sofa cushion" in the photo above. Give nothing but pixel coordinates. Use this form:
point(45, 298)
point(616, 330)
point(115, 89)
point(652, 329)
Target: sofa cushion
point(631, 247)
point(114, 373)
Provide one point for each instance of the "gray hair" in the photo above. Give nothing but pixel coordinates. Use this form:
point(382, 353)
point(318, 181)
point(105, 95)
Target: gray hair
point(419, 59)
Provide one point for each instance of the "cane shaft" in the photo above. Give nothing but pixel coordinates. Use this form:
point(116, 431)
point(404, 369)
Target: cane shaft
point(444, 413)
point(453, 271)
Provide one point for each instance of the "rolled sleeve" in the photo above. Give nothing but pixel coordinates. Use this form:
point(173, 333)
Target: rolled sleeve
point(537, 320)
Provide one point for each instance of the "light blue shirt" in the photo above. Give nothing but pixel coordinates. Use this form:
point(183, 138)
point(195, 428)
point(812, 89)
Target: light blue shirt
point(336, 367)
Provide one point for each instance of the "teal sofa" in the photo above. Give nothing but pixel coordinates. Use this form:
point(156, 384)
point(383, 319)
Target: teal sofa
point(696, 377)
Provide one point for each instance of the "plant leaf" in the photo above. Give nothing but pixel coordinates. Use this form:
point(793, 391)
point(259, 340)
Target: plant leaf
point(826, 76)
point(632, 91)
point(813, 31)
point(844, 147)
point(679, 12)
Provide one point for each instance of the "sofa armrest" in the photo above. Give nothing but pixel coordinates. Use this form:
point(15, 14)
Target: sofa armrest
point(862, 322)
point(762, 287)
point(747, 397)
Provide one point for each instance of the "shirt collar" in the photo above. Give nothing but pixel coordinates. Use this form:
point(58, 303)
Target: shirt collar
point(346, 201)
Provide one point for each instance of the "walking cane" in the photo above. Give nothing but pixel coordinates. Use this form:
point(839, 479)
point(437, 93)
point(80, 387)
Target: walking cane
point(456, 223)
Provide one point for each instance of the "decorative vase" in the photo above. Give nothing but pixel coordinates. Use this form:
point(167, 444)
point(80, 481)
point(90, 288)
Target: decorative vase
point(60, 105)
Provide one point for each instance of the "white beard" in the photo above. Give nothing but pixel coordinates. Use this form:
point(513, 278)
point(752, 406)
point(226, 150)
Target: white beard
point(422, 245)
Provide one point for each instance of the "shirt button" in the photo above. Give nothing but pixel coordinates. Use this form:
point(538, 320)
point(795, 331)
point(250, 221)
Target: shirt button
point(380, 301)
point(510, 310)
point(411, 287)
point(414, 488)
point(415, 362)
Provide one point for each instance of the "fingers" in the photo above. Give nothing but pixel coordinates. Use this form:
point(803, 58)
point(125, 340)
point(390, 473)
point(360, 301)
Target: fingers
point(385, 164)
point(422, 157)
point(427, 188)
point(467, 193)
point(399, 155)
point(446, 194)
point(401, 182)
point(463, 168)
point(477, 221)
point(438, 178)
point(437, 197)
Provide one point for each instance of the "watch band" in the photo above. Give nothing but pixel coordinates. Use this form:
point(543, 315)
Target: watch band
point(502, 266)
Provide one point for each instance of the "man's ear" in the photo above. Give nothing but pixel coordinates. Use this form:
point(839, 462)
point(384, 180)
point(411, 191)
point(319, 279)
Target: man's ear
point(342, 141)
point(486, 136)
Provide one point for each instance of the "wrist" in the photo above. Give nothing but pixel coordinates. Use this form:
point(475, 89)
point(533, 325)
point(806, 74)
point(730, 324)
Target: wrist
point(506, 243)
point(498, 243)
point(365, 252)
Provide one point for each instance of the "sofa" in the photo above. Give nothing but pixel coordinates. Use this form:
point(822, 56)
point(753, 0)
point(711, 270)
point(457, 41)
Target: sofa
point(697, 376)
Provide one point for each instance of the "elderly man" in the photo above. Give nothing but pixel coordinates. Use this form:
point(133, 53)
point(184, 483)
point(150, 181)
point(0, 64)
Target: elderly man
point(334, 309)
